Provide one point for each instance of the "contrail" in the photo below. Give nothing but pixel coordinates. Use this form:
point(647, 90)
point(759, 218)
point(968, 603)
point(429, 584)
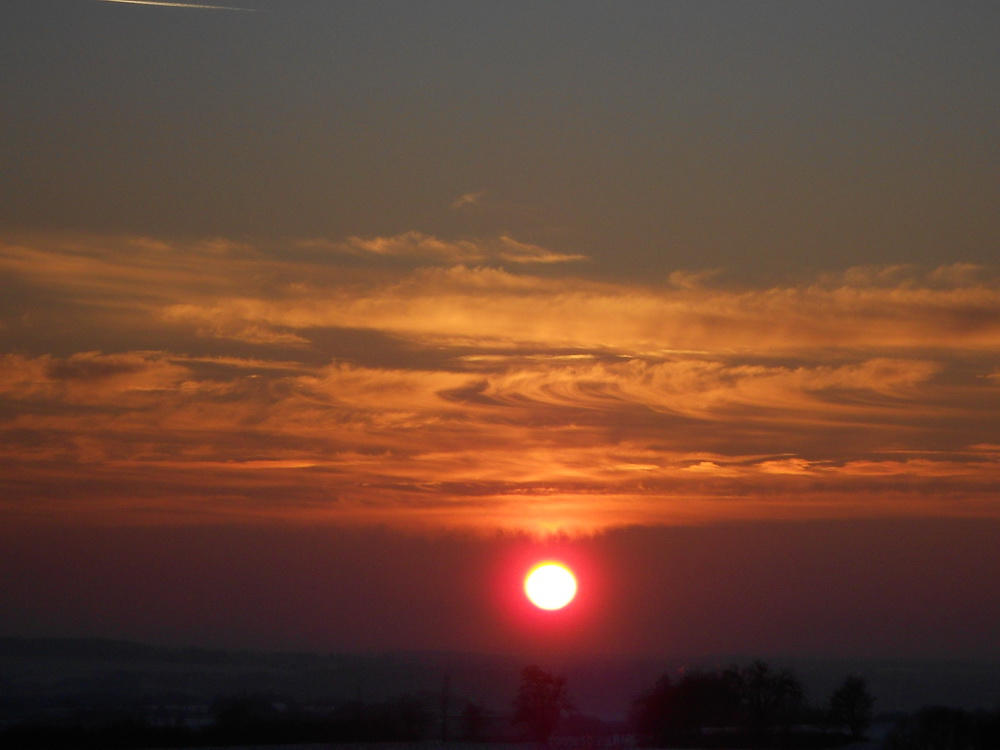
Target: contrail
point(179, 5)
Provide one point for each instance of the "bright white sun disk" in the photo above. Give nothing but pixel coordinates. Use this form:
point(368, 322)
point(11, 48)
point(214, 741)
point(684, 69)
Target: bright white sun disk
point(550, 585)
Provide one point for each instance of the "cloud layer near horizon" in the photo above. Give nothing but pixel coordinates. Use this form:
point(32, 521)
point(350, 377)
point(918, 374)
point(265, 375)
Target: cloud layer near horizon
point(419, 382)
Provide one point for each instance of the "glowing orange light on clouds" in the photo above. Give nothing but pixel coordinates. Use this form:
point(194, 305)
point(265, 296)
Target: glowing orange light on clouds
point(498, 443)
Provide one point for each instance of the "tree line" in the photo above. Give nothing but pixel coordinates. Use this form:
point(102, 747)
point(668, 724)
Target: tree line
point(756, 706)
point(743, 706)
point(751, 705)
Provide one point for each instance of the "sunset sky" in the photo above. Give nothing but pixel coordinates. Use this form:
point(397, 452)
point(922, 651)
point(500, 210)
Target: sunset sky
point(320, 322)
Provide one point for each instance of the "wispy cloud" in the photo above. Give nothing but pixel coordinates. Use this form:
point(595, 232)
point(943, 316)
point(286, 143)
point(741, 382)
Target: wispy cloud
point(467, 199)
point(420, 246)
point(252, 384)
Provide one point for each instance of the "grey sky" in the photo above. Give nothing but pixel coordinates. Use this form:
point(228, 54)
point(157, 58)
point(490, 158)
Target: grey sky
point(767, 137)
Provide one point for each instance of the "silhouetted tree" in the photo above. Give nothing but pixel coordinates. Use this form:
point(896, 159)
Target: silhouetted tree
point(768, 698)
point(651, 715)
point(670, 713)
point(541, 699)
point(851, 706)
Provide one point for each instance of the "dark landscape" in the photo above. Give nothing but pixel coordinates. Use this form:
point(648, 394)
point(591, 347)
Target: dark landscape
point(90, 692)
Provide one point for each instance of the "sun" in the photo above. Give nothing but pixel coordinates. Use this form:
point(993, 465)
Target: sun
point(550, 585)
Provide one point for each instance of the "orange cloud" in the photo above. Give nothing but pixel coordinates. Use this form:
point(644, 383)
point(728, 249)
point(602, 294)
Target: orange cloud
point(445, 307)
point(145, 381)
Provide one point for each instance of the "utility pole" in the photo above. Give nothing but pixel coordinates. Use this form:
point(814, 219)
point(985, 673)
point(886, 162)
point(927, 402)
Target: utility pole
point(445, 701)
